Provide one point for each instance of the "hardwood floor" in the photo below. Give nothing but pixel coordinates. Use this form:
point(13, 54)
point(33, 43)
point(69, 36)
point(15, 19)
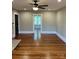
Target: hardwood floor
point(48, 47)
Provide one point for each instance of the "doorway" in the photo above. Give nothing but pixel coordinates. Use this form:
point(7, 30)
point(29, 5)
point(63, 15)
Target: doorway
point(16, 25)
point(37, 26)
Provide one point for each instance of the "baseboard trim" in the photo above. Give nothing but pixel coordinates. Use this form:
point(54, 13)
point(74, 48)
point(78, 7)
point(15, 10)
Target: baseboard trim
point(45, 32)
point(61, 37)
point(26, 32)
point(48, 32)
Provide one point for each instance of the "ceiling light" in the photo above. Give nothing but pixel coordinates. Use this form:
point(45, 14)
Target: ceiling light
point(59, 0)
point(35, 8)
point(25, 9)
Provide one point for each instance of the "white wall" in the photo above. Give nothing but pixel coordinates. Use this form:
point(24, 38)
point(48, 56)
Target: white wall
point(48, 21)
point(52, 22)
point(61, 23)
point(13, 21)
point(26, 21)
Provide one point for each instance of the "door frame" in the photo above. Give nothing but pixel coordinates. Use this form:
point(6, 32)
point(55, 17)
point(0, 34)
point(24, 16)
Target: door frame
point(41, 21)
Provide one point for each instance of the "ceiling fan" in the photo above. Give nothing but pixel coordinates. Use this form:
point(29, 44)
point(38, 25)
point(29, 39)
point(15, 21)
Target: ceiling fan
point(36, 6)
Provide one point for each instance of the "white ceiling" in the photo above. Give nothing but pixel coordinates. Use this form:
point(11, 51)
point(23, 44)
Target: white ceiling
point(52, 4)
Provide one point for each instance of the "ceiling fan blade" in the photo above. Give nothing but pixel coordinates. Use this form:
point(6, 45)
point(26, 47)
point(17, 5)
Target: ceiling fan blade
point(36, 0)
point(31, 3)
point(43, 5)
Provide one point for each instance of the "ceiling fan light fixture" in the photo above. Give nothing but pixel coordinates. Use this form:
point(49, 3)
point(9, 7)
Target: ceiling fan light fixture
point(35, 8)
point(25, 9)
point(59, 0)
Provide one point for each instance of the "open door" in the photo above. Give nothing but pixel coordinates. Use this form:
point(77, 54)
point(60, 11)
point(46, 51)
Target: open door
point(37, 26)
point(16, 25)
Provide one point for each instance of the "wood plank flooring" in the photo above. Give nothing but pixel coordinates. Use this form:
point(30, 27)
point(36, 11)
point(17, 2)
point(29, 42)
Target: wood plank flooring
point(48, 47)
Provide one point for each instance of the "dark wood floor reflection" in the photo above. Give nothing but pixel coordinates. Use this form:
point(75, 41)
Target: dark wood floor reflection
point(48, 47)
